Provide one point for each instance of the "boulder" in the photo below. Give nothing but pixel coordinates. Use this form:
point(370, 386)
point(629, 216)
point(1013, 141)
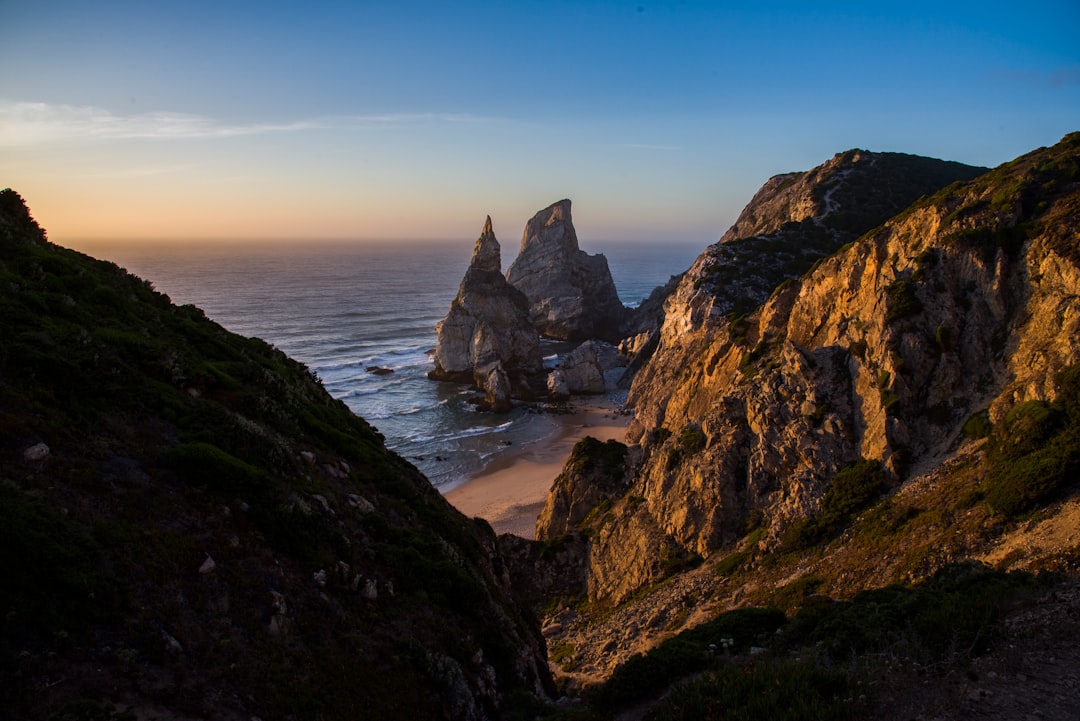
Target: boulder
point(581, 370)
point(496, 387)
point(570, 293)
point(487, 324)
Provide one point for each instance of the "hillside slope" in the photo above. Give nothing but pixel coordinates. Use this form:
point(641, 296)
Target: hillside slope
point(964, 305)
point(908, 407)
point(191, 526)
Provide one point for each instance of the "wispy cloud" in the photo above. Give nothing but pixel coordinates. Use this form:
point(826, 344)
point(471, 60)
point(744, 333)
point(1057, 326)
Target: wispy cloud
point(647, 146)
point(30, 123)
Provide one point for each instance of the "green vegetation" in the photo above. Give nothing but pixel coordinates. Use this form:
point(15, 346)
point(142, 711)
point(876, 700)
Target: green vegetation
point(1035, 450)
point(812, 665)
point(901, 301)
point(692, 651)
point(606, 457)
point(784, 690)
point(55, 574)
point(850, 490)
point(978, 426)
point(941, 619)
point(173, 442)
point(692, 439)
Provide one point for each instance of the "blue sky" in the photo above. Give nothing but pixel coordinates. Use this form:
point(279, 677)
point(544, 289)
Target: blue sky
point(356, 120)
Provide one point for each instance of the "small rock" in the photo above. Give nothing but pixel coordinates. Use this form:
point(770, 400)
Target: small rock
point(308, 457)
point(171, 644)
point(36, 452)
point(320, 578)
point(207, 566)
point(553, 630)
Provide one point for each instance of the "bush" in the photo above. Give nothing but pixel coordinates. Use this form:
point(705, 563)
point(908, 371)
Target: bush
point(591, 455)
point(851, 489)
point(901, 301)
point(978, 426)
point(929, 622)
point(778, 691)
point(692, 439)
point(1035, 451)
point(689, 652)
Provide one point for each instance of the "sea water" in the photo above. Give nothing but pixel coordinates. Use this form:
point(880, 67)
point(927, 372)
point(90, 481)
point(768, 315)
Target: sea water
point(363, 316)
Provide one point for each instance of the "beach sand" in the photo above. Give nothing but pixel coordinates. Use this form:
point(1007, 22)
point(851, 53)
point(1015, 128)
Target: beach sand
point(510, 492)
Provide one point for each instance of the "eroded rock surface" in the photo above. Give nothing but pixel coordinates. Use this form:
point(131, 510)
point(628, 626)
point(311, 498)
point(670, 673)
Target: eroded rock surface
point(964, 302)
point(487, 338)
point(571, 294)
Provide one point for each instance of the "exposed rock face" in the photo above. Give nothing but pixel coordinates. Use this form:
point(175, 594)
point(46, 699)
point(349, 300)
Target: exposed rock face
point(571, 293)
point(964, 302)
point(487, 338)
point(595, 473)
point(580, 371)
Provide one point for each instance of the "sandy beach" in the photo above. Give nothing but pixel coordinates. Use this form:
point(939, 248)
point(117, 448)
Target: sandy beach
point(511, 491)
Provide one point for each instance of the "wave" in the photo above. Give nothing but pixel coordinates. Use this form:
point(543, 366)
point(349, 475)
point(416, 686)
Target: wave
point(459, 434)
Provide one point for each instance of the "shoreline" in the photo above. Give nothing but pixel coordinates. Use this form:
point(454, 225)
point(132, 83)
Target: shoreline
point(510, 492)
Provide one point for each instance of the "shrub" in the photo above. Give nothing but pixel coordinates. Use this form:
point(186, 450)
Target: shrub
point(774, 690)
point(692, 439)
point(54, 576)
point(851, 489)
point(928, 622)
point(1035, 450)
point(978, 426)
point(901, 301)
point(689, 652)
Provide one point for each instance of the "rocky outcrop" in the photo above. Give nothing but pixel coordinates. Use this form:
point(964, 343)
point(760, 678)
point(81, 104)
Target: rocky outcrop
point(487, 338)
point(964, 302)
point(594, 475)
point(580, 372)
point(571, 294)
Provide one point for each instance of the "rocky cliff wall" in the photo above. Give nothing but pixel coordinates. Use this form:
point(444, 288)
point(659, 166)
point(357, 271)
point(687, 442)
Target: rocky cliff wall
point(967, 301)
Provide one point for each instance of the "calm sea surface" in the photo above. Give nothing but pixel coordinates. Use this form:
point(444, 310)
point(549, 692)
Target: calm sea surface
point(346, 308)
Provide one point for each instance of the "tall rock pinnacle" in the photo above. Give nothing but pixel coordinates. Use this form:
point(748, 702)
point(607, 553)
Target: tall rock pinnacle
point(486, 338)
point(571, 293)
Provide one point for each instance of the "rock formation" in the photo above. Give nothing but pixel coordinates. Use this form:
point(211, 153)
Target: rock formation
point(580, 372)
point(571, 293)
point(487, 338)
point(965, 302)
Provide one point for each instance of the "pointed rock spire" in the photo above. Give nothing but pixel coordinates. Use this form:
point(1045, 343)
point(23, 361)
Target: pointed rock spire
point(571, 293)
point(486, 338)
point(487, 255)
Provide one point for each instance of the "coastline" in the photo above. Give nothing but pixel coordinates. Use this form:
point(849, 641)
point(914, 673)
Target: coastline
point(510, 492)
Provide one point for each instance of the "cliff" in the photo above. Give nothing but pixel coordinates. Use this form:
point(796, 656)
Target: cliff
point(571, 293)
point(191, 527)
point(962, 305)
point(487, 338)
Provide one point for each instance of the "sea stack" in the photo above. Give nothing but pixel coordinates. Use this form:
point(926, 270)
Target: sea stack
point(571, 294)
point(486, 338)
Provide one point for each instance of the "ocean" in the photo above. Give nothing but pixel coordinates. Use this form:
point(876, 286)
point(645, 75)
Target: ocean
point(346, 310)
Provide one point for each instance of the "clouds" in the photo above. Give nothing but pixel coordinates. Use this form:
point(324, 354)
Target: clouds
point(33, 123)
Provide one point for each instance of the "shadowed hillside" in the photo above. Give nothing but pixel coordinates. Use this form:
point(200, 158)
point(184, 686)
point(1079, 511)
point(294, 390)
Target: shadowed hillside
point(188, 522)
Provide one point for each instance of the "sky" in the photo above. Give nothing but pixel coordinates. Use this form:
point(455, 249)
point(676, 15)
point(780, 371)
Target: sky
point(197, 121)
